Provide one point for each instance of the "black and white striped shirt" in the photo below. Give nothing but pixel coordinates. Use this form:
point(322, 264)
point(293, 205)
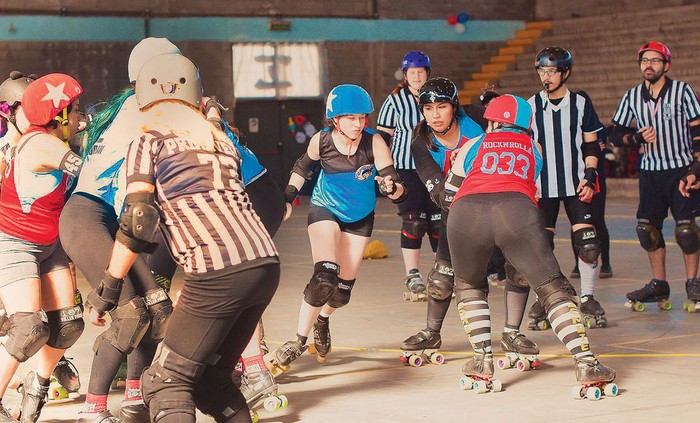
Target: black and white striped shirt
point(559, 129)
point(210, 220)
point(670, 114)
point(400, 112)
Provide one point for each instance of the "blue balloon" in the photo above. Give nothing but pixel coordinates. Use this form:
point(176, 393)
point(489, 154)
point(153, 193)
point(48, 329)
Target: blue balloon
point(462, 18)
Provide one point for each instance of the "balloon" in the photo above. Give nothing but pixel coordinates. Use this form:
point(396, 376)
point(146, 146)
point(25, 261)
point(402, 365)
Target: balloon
point(460, 28)
point(452, 19)
point(462, 18)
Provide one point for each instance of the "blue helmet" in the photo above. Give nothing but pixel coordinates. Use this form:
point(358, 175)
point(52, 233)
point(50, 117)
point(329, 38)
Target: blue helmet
point(415, 59)
point(511, 110)
point(348, 99)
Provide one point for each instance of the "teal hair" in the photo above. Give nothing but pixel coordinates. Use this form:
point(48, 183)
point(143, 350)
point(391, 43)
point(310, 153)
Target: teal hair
point(104, 117)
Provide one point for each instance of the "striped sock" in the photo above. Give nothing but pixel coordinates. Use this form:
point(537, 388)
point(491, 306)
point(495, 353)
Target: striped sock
point(566, 323)
point(476, 318)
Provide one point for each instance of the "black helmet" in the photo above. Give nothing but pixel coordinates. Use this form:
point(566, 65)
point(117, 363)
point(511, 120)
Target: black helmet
point(12, 88)
point(436, 90)
point(554, 56)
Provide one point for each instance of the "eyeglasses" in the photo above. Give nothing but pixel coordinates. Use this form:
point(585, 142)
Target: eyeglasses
point(655, 60)
point(548, 72)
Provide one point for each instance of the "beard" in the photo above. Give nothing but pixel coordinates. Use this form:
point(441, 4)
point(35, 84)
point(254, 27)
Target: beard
point(653, 77)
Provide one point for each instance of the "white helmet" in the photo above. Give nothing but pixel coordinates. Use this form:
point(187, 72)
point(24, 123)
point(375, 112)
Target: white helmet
point(168, 77)
point(147, 49)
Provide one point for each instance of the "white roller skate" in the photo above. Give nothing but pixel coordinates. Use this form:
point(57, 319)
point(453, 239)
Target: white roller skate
point(521, 353)
point(422, 348)
point(478, 375)
point(595, 379)
point(416, 287)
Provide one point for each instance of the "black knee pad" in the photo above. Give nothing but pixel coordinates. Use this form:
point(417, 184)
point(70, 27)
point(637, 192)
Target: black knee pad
point(130, 322)
point(550, 237)
point(466, 291)
point(160, 307)
point(216, 395)
point(555, 290)
point(341, 296)
point(687, 236)
point(514, 277)
point(65, 327)
point(27, 334)
point(414, 226)
point(650, 236)
point(587, 244)
point(441, 280)
point(323, 283)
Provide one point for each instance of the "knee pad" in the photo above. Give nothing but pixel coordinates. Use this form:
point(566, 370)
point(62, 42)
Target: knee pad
point(341, 296)
point(466, 291)
point(441, 280)
point(414, 225)
point(160, 307)
point(130, 322)
point(650, 236)
point(216, 396)
point(65, 327)
point(588, 245)
point(550, 237)
point(323, 283)
point(687, 236)
point(165, 393)
point(515, 277)
point(28, 333)
point(555, 290)
point(434, 225)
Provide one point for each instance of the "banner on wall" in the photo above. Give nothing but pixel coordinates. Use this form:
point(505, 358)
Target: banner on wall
point(277, 70)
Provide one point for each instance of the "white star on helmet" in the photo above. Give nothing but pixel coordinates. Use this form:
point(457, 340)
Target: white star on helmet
point(329, 103)
point(55, 93)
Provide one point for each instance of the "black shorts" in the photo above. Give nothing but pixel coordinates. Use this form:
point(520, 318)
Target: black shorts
point(362, 227)
point(577, 211)
point(658, 192)
point(417, 198)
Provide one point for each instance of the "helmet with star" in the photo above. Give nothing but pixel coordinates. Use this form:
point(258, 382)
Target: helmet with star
point(45, 98)
point(348, 99)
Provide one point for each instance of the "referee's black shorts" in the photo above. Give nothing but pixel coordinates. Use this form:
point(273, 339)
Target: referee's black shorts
point(658, 192)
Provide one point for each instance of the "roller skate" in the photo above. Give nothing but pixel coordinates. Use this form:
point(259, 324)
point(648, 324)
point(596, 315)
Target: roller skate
point(521, 353)
point(422, 348)
point(33, 398)
point(538, 317)
point(657, 291)
point(478, 374)
point(280, 359)
point(416, 287)
point(5, 415)
point(67, 376)
point(595, 379)
point(592, 312)
point(692, 289)
point(263, 345)
point(134, 411)
point(260, 388)
point(103, 417)
point(322, 339)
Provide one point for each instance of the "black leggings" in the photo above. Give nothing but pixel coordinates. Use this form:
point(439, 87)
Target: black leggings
point(87, 228)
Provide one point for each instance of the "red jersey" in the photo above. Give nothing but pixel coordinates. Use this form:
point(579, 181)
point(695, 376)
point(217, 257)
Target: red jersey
point(31, 203)
point(501, 161)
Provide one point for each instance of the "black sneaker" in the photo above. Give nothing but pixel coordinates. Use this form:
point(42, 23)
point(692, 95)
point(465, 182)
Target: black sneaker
point(605, 271)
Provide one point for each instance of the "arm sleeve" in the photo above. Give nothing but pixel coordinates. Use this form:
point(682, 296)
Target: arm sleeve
point(387, 114)
point(140, 160)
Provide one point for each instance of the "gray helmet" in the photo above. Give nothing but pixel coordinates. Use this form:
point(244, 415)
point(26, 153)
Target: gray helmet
point(12, 88)
point(558, 57)
point(168, 77)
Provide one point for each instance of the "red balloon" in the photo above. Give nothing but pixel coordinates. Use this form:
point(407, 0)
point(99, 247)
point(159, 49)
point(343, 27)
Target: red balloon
point(452, 19)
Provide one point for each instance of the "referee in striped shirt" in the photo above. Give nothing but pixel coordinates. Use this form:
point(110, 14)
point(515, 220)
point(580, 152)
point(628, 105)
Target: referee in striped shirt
point(667, 116)
point(566, 126)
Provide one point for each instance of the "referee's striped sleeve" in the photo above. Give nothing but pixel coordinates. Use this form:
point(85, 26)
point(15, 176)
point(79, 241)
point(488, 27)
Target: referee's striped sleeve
point(623, 115)
point(692, 104)
point(140, 160)
point(387, 114)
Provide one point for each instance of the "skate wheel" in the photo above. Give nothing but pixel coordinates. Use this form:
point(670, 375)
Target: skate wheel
point(403, 359)
point(285, 401)
point(665, 305)
point(437, 358)
point(638, 307)
point(254, 416)
point(321, 358)
point(58, 393)
point(466, 383)
point(535, 364)
point(587, 322)
point(593, 393)
point(415, 361)
point(496, 385)
point(312, 349)
point(576, 392)
point(273, 403)
point(503, 363)
point(407, 296)
point(610, 390)
point(523, 365)
point(480, 387)
point(543, 325)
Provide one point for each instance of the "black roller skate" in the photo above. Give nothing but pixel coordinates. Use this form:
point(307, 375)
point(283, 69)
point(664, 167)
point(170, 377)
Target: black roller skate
point(657, 291)
point(416, 287)
point(538, 317)
point(692, 289)
point(595, 379)
point(260, 388)
point(422, 348)
point(592, 312)
point(521, 353)
point(280, 359)
point(478, 374)
point(66, 374)
point(322, 339)
point(34, 396)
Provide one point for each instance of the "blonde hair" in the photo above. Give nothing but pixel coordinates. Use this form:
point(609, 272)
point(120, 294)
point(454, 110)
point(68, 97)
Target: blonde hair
point(184, 120)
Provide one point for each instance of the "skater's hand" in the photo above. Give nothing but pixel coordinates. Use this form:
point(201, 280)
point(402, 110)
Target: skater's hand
point(585, 193)
point(287, 211)
point(687, 183)
point(386, 185)
point(96, 317)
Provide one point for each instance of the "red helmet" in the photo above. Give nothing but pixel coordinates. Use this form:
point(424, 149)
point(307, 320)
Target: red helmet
point(46, 97)
point(657, 47)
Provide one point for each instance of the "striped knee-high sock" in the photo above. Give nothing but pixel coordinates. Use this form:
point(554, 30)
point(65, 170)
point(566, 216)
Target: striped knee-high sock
point(566, 323)
point(476, 318)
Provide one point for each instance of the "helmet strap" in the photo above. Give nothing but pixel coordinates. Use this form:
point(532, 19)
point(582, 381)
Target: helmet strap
point(63, 122)
point(340, 131)
point(442, 133)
